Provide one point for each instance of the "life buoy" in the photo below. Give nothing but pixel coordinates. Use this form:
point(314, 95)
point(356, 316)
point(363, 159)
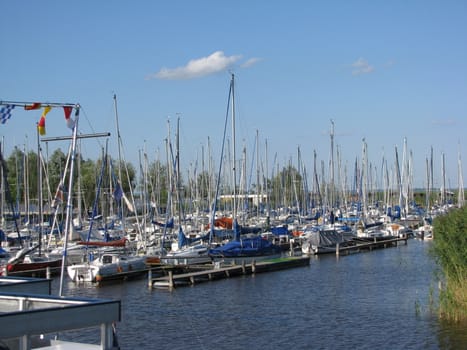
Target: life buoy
point(119, 269)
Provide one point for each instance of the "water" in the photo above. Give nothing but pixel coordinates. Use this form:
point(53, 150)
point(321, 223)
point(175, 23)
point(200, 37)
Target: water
point(379, 299)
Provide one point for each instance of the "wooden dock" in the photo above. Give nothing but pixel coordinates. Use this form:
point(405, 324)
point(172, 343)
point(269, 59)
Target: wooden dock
point(370, 245)
point(209, 273)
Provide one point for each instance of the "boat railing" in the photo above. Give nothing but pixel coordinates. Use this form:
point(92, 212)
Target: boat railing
point(26, 317)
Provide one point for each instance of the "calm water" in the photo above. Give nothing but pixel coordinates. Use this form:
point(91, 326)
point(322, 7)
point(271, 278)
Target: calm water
point(380, 299)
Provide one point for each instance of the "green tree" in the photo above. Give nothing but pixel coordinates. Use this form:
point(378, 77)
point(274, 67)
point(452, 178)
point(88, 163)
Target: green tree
point(56, 168)
point(15, 169)
point(158, 183)
point(88, 182)
point(286, 187)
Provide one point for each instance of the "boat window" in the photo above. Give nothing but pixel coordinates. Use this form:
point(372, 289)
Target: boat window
point(107, 259)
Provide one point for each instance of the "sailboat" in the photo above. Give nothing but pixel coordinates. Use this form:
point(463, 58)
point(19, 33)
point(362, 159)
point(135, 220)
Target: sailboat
point(26, 261)
point(250, 246)
point(108, 266)
point(188, 251)
point(113, 258)
point(185, 251)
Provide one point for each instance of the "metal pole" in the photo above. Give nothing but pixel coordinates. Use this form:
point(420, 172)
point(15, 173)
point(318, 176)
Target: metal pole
point(69, 212)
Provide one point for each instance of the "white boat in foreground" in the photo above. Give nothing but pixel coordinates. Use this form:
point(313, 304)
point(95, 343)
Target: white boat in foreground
point(107, 266)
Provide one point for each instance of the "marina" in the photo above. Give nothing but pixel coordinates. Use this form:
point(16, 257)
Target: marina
point(272, 175)
point(354, 294)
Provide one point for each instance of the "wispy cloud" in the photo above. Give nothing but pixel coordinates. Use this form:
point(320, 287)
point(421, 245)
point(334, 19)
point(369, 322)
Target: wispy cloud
point(361, 66)
point(250, 62)
point(200, 67)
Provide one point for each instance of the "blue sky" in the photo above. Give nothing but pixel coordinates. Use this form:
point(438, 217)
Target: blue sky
point(381, 70)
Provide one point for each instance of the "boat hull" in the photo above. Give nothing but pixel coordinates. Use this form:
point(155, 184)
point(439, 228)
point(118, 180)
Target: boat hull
point(35, 269)
point(98, 271)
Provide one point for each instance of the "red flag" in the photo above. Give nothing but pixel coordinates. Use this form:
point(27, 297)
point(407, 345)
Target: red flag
point(41, 125)
point(35, 105)
point(69, 121)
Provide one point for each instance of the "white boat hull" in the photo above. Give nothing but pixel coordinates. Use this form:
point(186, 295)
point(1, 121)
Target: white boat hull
point(108, 266)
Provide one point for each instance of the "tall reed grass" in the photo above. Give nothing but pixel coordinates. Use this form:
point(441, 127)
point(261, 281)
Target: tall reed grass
point(450, 250)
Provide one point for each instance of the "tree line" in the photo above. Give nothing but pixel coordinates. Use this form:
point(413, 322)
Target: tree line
point(152, 184)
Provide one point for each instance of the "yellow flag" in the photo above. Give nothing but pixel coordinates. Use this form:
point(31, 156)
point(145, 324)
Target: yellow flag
point(41, 124)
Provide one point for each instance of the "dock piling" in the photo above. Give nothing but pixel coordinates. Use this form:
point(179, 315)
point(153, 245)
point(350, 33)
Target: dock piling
point(150, 278)
point(171, 279)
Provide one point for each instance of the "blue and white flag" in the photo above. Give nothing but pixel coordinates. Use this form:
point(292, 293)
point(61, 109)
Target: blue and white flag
point(5, 113)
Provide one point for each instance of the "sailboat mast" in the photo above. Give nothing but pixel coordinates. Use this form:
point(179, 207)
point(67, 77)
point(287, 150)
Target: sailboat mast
point(266, 190)
point(39, 188)
point(69, 209)
point(178, 181)
point(234, 173)
point(119, 169)
point(332, 186)
point(258, 189)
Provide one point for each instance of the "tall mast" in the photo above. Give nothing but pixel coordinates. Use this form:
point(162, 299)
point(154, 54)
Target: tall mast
point(234, 173)
point(178, 181)
point(443, 174)
point(39, 189)
point(266, 190)
point(331, 165)
point(257, 174)
point(119, 169)
point(69, 209)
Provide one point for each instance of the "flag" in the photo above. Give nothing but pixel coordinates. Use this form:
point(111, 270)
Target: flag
point(35, 105)
point(128, 204)
point(41, 124)
point(5, 113)
point(118, 192)
point(69, 121)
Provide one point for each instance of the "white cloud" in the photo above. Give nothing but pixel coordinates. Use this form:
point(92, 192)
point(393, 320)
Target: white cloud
point(250, 62)
point(197, 68)
point(361, 66)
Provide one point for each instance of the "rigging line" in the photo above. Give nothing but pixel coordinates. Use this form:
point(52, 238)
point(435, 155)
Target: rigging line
point(83, 111)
